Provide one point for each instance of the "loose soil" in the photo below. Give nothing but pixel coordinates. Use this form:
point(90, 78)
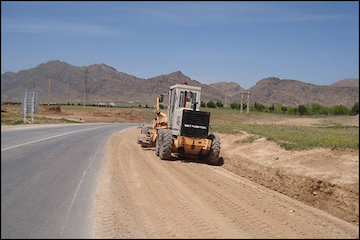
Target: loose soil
point(324, 178)
point(141, 196)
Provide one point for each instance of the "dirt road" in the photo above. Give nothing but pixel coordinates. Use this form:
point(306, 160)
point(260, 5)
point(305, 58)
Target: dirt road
point(141, 196)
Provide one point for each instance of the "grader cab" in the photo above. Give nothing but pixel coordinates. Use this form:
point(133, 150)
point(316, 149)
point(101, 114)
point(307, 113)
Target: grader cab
point(184, 130)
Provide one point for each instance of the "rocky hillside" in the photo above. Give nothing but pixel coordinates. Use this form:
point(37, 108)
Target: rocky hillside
point(230, 89)
point(292, 93)
point(348, 82)
point(105, 83)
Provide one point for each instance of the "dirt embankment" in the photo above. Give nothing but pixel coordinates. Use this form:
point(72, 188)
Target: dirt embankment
point(324, 178)
point(141, 196)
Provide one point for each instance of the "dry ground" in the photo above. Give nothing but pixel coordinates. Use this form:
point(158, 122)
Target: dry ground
point(324, 178)
point(56, 114)
point(141, 196)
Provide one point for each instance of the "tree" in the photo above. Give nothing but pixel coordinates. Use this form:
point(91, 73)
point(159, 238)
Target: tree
point(340, 110)
point(355, 109)
point(259, 107)
point(211, 104)
point(302, 110)
point(219, 104)
point(316, 108)
point(234, 105)
point(271, 108)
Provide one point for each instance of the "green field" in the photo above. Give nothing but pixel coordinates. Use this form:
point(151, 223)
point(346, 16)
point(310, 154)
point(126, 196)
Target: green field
point(330, 133)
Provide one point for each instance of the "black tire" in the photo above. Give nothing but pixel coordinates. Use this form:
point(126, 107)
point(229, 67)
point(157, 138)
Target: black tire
point(158, 142)
point(166, 144)
point(214, 154)
point(144, 130)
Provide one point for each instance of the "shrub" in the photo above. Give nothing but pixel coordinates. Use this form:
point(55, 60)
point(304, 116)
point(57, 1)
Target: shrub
point(234, 105)
point(324, 110)
point(355, 109)
point(277, 108)
point(202, 104)
point(211, 104)
point(315, 108)
point(340, 110)
point(283, 109)
point(271, 108)
point(219, 104)
point(302, 109)
point(259, 107)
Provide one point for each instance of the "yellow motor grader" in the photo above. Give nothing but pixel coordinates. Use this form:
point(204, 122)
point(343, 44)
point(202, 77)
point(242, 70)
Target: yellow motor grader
point(184, 130)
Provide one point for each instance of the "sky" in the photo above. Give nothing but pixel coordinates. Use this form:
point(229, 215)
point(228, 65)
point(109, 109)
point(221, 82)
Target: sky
point(231, 41)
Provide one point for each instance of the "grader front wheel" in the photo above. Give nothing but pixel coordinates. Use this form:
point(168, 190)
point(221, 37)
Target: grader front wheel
point(158, 142)
point(166, 144)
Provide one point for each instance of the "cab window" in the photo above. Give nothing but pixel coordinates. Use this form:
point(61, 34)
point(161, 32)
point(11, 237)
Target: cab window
point(186, 99)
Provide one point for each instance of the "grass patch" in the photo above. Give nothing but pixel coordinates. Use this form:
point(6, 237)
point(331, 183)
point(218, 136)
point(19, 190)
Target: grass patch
point(298, 137)
point(339, 127)
point(248, 139)
point(68, 120)
point(11, 122)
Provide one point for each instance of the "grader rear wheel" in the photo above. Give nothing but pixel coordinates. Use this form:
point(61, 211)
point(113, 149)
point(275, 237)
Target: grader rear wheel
point(166, 144)
point(213, 156)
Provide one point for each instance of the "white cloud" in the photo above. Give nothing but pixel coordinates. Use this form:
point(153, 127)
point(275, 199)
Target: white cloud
point(210, 13)
point(58, 27)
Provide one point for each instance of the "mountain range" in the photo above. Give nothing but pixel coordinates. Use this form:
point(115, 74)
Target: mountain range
point(104, 83)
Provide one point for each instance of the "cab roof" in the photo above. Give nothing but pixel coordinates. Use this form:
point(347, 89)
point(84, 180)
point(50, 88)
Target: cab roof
point(186, 87)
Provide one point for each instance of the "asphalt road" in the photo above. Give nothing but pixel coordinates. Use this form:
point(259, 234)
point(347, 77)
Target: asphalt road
point(49, 177)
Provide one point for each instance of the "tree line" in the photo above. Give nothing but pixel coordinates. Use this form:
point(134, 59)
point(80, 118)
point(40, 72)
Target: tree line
point(309, 109)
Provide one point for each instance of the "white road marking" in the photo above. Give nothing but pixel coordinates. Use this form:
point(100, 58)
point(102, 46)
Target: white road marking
point(3, 149)
point(78, 187)
point(77, 190)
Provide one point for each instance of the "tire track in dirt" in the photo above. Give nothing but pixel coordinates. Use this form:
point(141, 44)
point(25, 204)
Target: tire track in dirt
point(173, 196)
point(141, 196)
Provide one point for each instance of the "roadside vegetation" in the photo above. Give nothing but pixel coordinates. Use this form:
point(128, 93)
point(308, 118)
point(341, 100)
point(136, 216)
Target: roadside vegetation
point(298, 137)
point(327, 132)
point(11, 115)
point(309, 109)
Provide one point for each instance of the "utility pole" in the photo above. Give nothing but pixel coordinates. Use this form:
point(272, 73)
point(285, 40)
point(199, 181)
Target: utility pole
point(25, 106)
point(248, 102)
point(49, 90)
point(32, 107)
point(85, 87)
point(241, 103)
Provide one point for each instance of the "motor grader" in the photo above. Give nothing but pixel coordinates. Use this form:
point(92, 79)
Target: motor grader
point(184, 129)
